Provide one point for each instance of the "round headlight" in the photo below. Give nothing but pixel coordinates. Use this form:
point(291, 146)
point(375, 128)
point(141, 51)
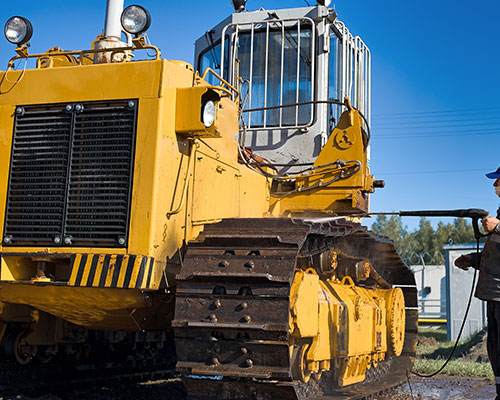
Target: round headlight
point(18, 30)
point(135, 20)
point(208, 113)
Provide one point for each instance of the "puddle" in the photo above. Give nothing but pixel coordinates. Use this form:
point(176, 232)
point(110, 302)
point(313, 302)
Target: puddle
point(447, 388)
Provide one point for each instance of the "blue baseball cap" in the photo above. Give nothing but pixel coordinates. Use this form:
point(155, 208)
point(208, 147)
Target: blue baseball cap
point(494, 175)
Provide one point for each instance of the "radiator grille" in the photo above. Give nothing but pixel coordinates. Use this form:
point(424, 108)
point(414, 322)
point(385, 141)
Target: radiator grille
point(71, 174)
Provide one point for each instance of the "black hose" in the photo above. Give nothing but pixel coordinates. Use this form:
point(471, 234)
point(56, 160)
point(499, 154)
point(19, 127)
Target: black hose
point(476, 267)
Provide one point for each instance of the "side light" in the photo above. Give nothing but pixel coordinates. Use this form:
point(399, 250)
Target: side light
point(208, 113)
point(18, 30)
point(135, 20)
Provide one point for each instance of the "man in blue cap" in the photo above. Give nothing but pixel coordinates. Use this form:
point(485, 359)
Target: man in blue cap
point(488, 284)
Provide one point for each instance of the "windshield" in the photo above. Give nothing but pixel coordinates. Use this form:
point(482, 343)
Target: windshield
point(211, 58)
point(276, 66)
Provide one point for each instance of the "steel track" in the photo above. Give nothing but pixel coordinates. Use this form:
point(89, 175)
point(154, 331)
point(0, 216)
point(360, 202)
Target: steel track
point(232, 307)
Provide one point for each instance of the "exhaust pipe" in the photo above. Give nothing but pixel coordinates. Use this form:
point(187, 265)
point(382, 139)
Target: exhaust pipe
point(112, 25)
point(112, 34)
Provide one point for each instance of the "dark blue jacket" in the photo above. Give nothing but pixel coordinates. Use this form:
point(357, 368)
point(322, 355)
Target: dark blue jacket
point(488, 284)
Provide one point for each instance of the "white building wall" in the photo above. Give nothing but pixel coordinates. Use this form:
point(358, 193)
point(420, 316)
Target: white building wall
point(459, 285)
point(431, 285)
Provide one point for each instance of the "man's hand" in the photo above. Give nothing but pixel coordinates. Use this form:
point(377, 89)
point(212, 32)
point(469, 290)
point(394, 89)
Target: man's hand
point(489, 223)
point(464, 262)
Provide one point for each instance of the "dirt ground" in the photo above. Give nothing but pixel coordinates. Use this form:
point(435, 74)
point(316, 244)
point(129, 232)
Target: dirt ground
point(479, 352)
point(445, 388)
point(437, 388)
point(172, 389)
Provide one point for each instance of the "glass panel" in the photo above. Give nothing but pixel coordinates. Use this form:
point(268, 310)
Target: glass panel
point(211, 58)
point(244, 44)
point(254, 73)
point(305, 76)
point(274, 78)
point(288, 50)
point(334, 81)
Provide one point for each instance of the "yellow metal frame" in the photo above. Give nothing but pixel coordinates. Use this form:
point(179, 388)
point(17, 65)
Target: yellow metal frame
point(321, 191)
point(174, 175)
point(351, 328)
point(185, 176)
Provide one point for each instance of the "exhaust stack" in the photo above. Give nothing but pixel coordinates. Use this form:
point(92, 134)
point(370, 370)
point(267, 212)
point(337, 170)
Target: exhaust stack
point(112, 34)
point(112, 25)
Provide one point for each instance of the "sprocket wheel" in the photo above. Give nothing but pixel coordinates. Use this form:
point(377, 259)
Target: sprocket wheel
point(299, 363)
point(16, 350)
point(396, 320)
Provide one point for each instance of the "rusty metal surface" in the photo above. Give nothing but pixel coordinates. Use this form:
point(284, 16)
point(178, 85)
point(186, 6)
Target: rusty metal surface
point(232, 306)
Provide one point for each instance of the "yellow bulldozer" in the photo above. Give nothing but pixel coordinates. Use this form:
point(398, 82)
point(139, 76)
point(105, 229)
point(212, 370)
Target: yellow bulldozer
point(147, 202)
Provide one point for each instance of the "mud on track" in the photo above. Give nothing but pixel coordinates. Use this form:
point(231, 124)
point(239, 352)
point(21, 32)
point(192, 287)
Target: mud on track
point(437, 388)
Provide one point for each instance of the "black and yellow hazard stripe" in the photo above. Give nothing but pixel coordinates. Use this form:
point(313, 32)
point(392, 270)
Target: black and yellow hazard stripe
point(110, 270)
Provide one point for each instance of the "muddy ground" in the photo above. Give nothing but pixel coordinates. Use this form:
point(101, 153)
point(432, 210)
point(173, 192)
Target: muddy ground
point(440, 387)
point(445, 388)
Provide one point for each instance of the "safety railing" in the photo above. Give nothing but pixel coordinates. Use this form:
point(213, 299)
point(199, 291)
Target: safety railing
point(275, 60)
point(354, 69)
point(431, 308)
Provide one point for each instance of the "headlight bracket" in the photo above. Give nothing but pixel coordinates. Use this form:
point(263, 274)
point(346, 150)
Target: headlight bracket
point(189, 108)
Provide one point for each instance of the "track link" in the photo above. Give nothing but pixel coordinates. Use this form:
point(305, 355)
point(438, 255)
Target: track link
point(232, 307)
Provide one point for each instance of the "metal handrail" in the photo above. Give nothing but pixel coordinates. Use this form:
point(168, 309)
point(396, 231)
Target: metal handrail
point(223, 81)
point(22, 52)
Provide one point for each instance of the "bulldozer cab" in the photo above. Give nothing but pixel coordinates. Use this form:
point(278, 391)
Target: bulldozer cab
point(294, 68)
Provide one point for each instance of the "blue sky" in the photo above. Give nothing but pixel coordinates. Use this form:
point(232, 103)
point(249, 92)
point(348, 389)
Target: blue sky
point(435, 92)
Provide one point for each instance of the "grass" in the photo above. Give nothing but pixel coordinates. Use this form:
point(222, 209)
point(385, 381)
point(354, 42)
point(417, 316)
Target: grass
point(437, 333)
point(430, 356)
point(458, 367)
point(443, 347)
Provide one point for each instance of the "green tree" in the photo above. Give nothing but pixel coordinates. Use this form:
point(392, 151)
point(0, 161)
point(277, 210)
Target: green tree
point(424, 238)
point(463, 231)
point(393, 228)
point(425, 243)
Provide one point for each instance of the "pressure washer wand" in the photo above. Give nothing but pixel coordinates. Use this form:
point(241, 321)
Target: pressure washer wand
point(474, 213)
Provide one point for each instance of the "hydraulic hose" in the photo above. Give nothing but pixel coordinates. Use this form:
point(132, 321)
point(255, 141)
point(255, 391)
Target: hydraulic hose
point(475, 214)
point(463, 322)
